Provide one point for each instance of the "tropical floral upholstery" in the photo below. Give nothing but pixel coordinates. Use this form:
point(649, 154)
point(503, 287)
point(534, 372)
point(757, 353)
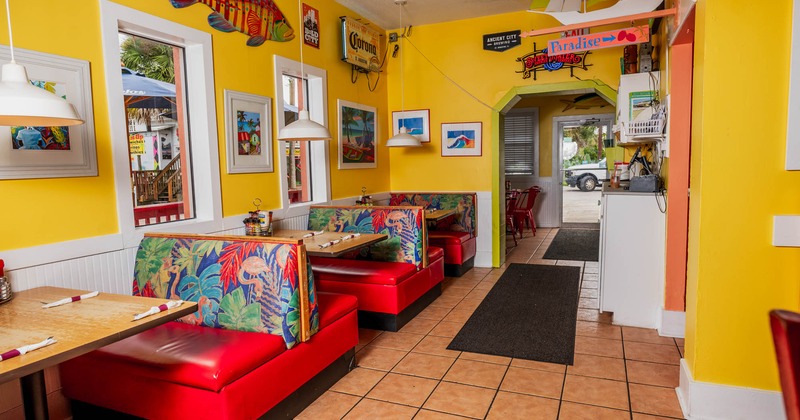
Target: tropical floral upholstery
point(465, 205)
point(243, 285)
point(404, 226)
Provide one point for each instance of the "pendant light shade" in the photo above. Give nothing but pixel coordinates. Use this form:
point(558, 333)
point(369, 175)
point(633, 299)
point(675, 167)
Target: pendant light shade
point(403, 139)
point(303, 129)
point(22, 104)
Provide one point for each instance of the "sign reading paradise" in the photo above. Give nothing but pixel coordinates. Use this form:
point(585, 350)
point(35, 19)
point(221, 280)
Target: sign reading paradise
point(615, 38)
point(361, 45)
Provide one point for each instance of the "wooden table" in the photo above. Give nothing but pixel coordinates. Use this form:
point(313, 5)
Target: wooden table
point(313, 242)
point(79, 328)
point(436, 215)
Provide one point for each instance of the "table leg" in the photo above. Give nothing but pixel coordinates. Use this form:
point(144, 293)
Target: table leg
point(34, 396)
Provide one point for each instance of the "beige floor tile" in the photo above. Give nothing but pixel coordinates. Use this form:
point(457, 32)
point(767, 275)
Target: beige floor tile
point(434, 312)
point(598, 346)
point(446, 329)
point(640, 416)
point(471, 372)
point(478, 295)
point(574, 411)
point(540, 261)
point(446, 302)
point(463, 400)
point(598, 330)
point(467, 281)
point(459, 315)
point(645, 335)
point(488, 358)
point(655, 400)
point(598, 367)
point(657, 374)
point(397, 340)
point(378, 357)
point(419, 326)
point(468, 304)
point(437, 346)
point(424, 365)
point(589, 303)
point(369, 409)
point(679, 341)
point(358, 381)
point(456, 292)
point(365, 335)
point(403, 389)
point(590, 284)
point(656, 353)
point(533, 382)
point(594, 391)
point(589, 293)
point(435, 415)
point(508, 405)
point(594, 316)
point(331, 405)
point(485, 285)
point(532, 364)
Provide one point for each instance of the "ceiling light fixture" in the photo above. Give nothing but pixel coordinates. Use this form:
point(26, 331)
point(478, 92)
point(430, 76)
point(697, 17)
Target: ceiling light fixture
point(402, 139)
point(23, 104)
point(303, 129)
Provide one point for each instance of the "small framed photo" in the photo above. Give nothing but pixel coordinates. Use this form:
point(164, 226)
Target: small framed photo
point(248, 132)
point(416, 122)
point(357, 128)
point(462, 139)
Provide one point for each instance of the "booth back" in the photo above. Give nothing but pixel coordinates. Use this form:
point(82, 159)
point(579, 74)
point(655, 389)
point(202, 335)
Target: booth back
point(239, 283)
point(405, 226)
point(465, 205)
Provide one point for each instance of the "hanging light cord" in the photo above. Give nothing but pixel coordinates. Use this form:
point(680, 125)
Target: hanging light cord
point(10, 37)
point(302, 66)
point(402, 70)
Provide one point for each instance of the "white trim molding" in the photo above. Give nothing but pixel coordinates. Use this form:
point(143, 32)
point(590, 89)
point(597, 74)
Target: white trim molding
point(706, 401)
point(673, 324)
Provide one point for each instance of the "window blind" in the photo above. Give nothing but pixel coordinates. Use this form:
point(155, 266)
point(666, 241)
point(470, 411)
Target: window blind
point(519, 142)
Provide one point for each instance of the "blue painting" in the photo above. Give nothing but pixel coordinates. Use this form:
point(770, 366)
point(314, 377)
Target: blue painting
point(462, 139)
point(248, 128)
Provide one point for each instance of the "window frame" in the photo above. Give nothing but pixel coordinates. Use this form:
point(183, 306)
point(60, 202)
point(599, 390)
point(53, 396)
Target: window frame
point(317, 89)
point(201, 119)
point(534, 113)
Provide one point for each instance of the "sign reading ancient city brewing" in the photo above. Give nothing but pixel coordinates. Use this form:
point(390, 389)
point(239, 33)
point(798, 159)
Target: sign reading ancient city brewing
point(539, 60)
point(310, 26)
point(615, 38)
point(360, 45)
point(501, 41)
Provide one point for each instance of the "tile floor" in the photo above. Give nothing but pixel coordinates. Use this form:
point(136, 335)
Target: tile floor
point(619, 372)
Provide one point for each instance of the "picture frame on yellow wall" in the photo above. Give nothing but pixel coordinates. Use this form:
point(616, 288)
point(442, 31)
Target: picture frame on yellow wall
point(358, 128)
point(462, 139)
point(52, 152)
point(417, 123)
point(248, 132)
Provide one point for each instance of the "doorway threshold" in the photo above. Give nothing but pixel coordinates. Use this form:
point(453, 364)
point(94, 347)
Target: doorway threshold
point(566, 225)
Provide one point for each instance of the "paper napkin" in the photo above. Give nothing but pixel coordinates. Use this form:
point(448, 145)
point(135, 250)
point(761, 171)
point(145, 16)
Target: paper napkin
point(24, 349)
point(70, 300)
point(308, 235)
point(160, 308)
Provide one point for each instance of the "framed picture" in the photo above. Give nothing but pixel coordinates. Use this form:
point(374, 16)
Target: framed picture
point(462, 139)
point(51, 152)
point(248, 132)
point(416, 122)
point(357, 128)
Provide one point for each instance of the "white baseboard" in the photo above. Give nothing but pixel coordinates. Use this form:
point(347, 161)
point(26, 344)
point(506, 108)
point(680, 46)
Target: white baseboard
point(673, 324)
point(707, 401)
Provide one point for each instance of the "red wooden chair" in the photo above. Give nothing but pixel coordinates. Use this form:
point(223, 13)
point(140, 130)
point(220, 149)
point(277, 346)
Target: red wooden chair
point(786, 335)
point(523, 213)
point(511, 203)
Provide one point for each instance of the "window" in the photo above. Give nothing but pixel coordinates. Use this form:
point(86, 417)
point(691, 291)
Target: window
point(521, 128)
point(305, 166)
point(169, 132)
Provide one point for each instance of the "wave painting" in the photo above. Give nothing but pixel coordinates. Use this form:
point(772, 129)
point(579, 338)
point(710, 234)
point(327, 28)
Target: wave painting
point(461, 139)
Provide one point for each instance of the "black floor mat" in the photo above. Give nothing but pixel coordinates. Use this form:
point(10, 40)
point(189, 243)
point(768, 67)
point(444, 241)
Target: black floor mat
point(575, 244)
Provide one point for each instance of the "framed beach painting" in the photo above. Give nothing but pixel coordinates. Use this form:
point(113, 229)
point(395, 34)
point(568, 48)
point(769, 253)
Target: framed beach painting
point(357, 130)
point(248, 132)
point(416, 122)
point(51, 152)
point(462, 139)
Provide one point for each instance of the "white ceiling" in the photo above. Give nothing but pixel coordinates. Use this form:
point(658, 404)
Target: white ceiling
point(386, 14)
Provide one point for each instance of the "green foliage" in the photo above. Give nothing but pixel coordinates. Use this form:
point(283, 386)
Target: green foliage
point(237, 315)
point(587, 138)
point(151, 58)
point(150, 257)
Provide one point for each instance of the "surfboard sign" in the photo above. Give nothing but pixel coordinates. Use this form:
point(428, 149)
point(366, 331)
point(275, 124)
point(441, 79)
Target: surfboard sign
point(615, 38)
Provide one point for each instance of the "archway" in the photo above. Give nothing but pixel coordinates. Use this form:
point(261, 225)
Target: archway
point(504, 105)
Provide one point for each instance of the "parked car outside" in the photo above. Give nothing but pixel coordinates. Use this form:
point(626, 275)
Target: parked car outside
point(586, 176)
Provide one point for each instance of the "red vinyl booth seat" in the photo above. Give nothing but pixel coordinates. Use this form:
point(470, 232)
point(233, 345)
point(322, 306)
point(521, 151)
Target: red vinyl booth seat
point(458, 246)
point(185, 371)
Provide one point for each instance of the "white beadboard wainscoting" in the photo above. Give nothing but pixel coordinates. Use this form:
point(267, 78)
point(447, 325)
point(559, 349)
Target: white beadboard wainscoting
point(547, 209)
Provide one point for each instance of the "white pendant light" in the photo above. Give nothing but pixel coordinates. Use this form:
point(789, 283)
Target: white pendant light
point(402, 139)
point(302, 129)
point(23, 104)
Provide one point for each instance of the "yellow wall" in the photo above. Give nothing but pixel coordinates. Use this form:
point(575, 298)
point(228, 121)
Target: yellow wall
point(456, 49)
point(43, 211)
point(738, 182)
point(549, 108)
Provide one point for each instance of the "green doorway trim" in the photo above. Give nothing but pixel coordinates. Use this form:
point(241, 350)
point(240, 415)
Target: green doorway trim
point(507, 102)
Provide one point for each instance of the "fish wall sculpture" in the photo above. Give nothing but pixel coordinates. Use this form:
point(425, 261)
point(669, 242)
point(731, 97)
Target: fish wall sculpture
point(260, 19)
